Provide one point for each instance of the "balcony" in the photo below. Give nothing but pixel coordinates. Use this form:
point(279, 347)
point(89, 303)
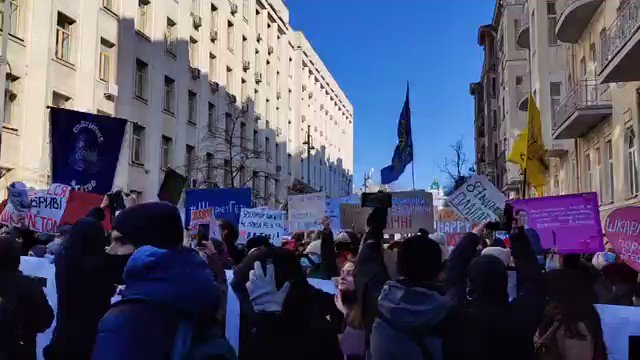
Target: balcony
point(575, 16)
point(523, 98)
point(586, 104)
point(523, 33)
point(620, 48)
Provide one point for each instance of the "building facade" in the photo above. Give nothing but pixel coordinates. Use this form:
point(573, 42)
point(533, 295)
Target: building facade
point(222, 91)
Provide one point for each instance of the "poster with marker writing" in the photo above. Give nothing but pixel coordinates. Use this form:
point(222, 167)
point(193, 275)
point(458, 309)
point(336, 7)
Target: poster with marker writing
point(478, 200)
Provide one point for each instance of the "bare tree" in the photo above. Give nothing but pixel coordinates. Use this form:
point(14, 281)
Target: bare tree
point(456, 167)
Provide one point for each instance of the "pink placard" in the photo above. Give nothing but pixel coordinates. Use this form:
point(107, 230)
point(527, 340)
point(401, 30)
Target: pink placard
point(570, 223)
point(623, 232)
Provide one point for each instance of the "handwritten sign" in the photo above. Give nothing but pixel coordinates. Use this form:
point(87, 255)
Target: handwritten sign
point(453, 230)
point(269, 223)
point(45, 211)
point(306, 211)
point(478, 200)
point(204, 217)
point(623, 232)
point(353, 217)
point(333, 210)
point(570, 223)
point(410, 211)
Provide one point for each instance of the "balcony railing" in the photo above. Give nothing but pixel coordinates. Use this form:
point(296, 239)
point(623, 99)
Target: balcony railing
point(621, 30)
point(584, 94)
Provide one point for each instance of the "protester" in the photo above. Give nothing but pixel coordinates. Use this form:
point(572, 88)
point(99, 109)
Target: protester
point(352, 340)
point(24, 310)
point(229, 233)
point(623, 280)
point(84, 287)
point(410, 308)
point(168, 288)
point(296, 322)
point(570, 328)
point(54, 247)
point(256, 243)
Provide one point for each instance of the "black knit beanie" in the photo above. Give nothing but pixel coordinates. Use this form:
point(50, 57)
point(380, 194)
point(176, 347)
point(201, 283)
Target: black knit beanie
point(155, 223)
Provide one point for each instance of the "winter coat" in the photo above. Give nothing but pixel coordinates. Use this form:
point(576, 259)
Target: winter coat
point(162, 287)
point(489, 326)
point(556, 345)
point(35, 313)
point(405, 328)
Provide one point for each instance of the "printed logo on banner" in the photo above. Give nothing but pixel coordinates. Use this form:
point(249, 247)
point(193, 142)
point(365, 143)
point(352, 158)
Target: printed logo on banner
point(478, 200)
point(46, 210)
point(85, 149)
point(269, 223)
point(226, 203)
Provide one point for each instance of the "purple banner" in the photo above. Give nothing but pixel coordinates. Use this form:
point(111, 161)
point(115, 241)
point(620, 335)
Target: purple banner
point(570, 223)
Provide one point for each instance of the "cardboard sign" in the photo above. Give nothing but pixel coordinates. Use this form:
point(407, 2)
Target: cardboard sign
point(306, 211)
point(333, 211)
point(454, 230)
point(46, 210)
point(262, 222)
point(623, 232)
point(410, 211)
point(478, 200)
point(570, 223)
point(226, 203)
point(204, 217)
point(353, 217)
point(620, 330)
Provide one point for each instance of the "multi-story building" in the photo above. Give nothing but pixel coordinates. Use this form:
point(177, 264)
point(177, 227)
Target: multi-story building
point(186, 75)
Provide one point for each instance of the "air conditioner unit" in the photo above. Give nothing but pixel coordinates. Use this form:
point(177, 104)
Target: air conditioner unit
point(258, 77)
point(214, 86)
point(111, 90)
point(195, 73)
point(197, 21)
point(234, 8)
point(270, 49)
point(246, 65)
point(278, 95)
point(213, 35)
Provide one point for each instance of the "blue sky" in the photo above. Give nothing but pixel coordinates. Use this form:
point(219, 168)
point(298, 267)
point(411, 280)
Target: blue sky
point(372, 47)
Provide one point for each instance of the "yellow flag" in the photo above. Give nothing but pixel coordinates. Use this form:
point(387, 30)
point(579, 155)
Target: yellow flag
point(519, 150)
point(535, 161)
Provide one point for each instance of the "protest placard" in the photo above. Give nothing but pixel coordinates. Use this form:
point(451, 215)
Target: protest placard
point(333, 210)
point(478, 200)
point(410, 211)
point(623, 232)
point(262, 221)
point(226, 203)
point(620, 330)
point(204, 217)
point(45, 211)
point(569, 223)
point(453, 230)
point(306, 211)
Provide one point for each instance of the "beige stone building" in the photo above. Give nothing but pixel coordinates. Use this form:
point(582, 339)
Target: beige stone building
point(179, 72)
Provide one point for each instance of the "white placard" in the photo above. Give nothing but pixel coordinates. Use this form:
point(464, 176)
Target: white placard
point(478, 200)
point(618, 323)
point(306, 211)
point(47, 207)
point(261, 221)
point(204, 217)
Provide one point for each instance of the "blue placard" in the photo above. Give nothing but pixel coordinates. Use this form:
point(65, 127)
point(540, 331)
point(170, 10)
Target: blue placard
point(226, 203)
point(85, 149)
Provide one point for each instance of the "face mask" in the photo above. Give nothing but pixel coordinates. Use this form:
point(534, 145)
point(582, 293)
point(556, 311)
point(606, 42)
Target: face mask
point(304, 262)
point(609, 257)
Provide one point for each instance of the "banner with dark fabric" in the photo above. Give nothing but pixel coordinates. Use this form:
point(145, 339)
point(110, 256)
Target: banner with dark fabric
point(85, 149)
point(172, 186)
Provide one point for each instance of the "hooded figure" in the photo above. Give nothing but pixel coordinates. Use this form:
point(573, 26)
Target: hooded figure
point(165, 284)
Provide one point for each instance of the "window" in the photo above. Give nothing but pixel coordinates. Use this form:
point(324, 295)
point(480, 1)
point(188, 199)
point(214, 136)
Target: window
point(64, 37)
point(259, 25)
point(141, 79)
point(192, 108)
point(302, 168)
point(60, 101)
point(169, 95)
point(245, 48)
point(214, 18)
point(210, 168)
point(256, 100)
point(107, 4)
point(494, 90)
point(267, 111)
point(256, 140)
point(555, 90)
point(245, 10)
point(165, 152)
point(256, 60)
point(230, 36)
point(278, 155)
point(228, 126)
point(243, 90)
point(276, 185)
point(14, 17)
point(170, 36)
point(552, 20)
point(193, 52)
point(229, 82)
point(267, 149)
point(227, 173)
point(583, 67)
point(599, 173)
point(211, 118)
point(609, 173)
point(632, 162)
point(592, 52)
point(603, 45)
point(10, 97)
point(188, 160)
point(143, 16)
point(290, 68)
point(137, 142)
point(195, 7)
point(516, 29)
point(289, 99)
point(213, 66)
point(289, 163)
point(243, 134)
point(242, 177)
point(106, 54)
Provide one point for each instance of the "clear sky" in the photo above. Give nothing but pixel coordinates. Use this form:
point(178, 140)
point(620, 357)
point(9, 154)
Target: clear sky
point(372, 47)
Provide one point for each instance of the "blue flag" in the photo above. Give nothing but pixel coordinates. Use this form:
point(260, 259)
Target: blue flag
point(85, 149)
point(403, 154)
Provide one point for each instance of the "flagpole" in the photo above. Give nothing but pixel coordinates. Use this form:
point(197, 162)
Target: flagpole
point(413, 177)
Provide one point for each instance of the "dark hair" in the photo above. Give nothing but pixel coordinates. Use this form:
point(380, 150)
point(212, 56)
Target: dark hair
point(9, 254)
point(298, 237)
point(569, 301)
point(232, 231)
point(419, 258)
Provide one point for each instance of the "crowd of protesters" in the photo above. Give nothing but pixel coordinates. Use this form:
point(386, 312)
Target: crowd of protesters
point(407, 299)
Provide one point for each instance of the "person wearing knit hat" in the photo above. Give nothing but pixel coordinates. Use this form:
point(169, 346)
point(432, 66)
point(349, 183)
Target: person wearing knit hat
point(500, 253)
point(155, 223)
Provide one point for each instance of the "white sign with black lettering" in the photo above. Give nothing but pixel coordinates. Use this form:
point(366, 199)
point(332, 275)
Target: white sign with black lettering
point(269, 223)
point(478, 200)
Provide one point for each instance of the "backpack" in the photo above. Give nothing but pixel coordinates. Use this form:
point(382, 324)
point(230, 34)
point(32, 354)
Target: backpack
point(194, 343)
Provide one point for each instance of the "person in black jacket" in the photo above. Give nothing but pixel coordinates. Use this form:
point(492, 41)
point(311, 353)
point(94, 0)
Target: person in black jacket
point(303, 324)
point(21, 300)
point(482, 323)
point(85, 286)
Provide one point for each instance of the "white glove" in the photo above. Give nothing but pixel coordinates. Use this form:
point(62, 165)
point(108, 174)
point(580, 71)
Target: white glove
point(263, 292)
